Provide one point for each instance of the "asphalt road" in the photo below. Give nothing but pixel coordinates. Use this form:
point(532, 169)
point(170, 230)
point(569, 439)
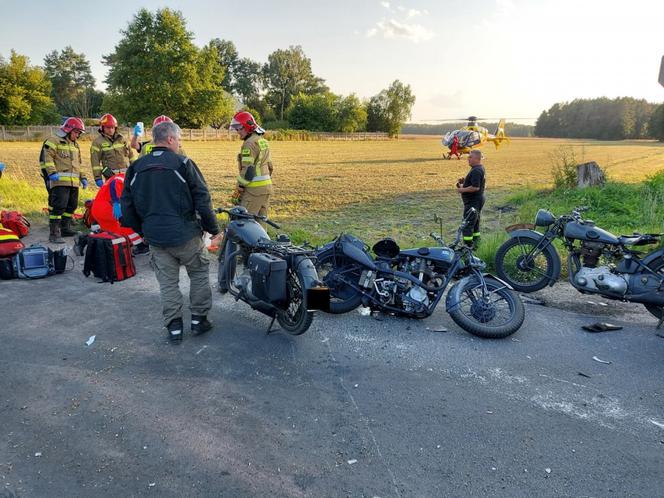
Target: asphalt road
point(357, 406)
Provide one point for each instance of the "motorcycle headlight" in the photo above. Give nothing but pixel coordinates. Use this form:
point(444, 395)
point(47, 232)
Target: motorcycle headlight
point(544, 218)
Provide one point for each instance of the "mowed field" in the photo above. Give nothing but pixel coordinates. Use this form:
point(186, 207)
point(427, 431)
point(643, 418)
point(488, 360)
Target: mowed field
point(373, 188)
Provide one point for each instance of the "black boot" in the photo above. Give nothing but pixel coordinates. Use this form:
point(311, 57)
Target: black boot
point(54, 234)
point(200, 324)
point(80, 242)
point(175, 331)
point(141, 248)
point(66, 227)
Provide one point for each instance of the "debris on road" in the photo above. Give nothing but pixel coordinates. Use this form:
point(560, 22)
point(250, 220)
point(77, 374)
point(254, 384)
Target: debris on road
point(547, 470)
point(90, 340)
point(440, 328)
point(601, 361)
point(364, 311)
point(38, 454)
point(351, 462)
point(201, 350)
point(356, 386)
point(658, 424)
point(584, 375)
point(152, 484)
point(531, 300)
point(601, 327)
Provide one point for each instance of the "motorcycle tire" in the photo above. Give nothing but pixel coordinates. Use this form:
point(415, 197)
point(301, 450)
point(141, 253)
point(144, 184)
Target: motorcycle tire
point(295, 319)
point(658, 267)
point(515, 249)
point(476, 319)
point(343, 298)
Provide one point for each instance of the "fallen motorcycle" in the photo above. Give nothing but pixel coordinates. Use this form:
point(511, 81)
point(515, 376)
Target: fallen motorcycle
point(598, 261)
point(272, 276)
point(412, 282)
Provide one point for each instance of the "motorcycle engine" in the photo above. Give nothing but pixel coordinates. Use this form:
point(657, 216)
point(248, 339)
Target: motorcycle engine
point(590, 253)
point(601, 279)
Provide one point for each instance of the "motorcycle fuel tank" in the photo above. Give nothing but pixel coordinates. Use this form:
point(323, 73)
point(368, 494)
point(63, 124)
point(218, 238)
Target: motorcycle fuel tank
point(438, 254)
point(248, 232)
point(588, 231)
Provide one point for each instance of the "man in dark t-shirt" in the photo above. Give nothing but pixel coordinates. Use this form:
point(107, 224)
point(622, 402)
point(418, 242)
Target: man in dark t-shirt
point(471, 189)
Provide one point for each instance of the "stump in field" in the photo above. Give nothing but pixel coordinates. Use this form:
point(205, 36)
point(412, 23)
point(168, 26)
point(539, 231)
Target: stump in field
point(589, 174)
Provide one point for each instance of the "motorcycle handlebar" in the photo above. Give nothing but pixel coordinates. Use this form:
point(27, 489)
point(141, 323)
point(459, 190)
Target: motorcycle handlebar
point(248, 216)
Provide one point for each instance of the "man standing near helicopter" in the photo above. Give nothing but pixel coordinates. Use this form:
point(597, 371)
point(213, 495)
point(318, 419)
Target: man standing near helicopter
point(471, 188)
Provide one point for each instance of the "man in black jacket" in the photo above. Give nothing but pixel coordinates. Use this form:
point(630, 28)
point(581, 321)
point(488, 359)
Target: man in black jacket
point(471, 189)
point(166, 199)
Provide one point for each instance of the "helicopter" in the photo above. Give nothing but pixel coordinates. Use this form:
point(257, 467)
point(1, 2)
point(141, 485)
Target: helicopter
point(472, 136)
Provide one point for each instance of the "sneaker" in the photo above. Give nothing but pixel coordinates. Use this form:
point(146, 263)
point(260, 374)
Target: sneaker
point(199, 324)
point(175, 330)
point(141, 248)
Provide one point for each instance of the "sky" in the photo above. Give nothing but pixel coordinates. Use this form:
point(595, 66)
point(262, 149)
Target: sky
point(490, 58)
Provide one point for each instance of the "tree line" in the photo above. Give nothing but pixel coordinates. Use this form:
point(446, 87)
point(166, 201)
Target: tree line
point(602, 118)
point(157, 69)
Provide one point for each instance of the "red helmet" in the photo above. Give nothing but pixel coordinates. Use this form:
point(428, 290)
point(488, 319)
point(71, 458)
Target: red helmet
point(244, 119)
point(73, 124)
point(108, 120)
point(161, 119)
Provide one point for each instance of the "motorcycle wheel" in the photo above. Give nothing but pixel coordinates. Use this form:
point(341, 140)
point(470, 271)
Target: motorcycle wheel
point(343, 298)
point(295, 319)
point(521, 272)
point(657, 311)
point(493, 314)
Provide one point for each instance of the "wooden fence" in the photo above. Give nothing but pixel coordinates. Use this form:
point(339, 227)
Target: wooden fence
point(34, 133)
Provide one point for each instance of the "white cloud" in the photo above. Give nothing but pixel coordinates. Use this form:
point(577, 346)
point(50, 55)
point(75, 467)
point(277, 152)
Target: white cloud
point(385, 4)
point(414, 12)
point(392, 29)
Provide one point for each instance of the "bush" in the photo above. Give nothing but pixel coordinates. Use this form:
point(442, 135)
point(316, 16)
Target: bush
point(563, 167)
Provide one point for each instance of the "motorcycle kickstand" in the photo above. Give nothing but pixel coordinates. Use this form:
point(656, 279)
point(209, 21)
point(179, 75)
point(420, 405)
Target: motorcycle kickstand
point(269, 328)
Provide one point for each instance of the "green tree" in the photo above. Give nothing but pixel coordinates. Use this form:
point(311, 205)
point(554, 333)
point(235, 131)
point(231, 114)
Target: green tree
point(656, 124)
point(25, 93)
point(228, 59)
point(286, 74)
point(156, 69)
point(390, 109)
point(73, 86)
point(352, 115)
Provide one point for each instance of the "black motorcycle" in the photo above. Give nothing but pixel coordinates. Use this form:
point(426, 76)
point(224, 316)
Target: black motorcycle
point(272, 276)
point(598, 261)
point(412, 282)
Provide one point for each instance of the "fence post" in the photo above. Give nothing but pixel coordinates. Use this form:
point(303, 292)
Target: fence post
point(4, 134)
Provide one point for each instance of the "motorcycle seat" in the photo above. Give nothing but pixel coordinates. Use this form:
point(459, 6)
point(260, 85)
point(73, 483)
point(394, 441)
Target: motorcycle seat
point(637, 239)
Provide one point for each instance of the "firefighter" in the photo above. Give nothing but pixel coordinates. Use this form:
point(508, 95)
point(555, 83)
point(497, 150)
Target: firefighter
point(254, 164)
point(110, 153)
point(60, 161)
point(471, 189)
point(144, 148)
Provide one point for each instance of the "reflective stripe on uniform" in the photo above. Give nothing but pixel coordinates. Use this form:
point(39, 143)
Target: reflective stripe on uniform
point(67, 215)
point(68, 175)
point(476, 234)
point(465, 237)
point(9, 237)
point(54, 217)
point(47, 164)
point(259, 183)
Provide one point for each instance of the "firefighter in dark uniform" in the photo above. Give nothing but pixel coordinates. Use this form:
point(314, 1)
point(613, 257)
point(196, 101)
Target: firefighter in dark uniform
point(110, 153)
point(471, 189)
point(60, 161)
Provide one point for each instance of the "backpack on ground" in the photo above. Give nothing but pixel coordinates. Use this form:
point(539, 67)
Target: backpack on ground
point(108, 257)
point(16, 222)
point(9, 243)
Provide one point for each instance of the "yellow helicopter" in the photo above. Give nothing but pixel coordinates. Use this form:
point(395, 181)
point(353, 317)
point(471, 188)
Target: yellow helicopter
point(472, 136)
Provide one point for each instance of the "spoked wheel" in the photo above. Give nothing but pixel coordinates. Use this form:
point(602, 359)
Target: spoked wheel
point(295, 319)
point(657, 311)
point(331, 268)
point(523, 270)
point(492, 311)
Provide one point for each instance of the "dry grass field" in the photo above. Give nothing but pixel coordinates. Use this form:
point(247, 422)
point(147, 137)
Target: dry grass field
point(370, 188)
